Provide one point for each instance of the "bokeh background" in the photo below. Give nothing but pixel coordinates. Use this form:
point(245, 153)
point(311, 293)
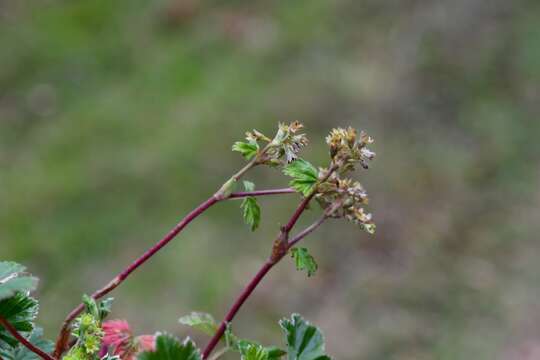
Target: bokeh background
point(117, 117)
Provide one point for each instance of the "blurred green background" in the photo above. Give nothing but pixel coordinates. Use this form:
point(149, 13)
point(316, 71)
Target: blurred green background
point(117, 117)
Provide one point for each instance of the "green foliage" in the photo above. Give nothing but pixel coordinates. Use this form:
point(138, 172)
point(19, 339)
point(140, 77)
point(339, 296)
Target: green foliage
point(304, 261)
point(88, 331)
point(13, 279)
point(252, 348)
point(250, 208)
point(201, 321)
point(20, 311)
point(98, 310)
point(169, 348)
point(304, 176)
point(247, 149)
point(254, 352)
point(20, 352)
point(304, 341)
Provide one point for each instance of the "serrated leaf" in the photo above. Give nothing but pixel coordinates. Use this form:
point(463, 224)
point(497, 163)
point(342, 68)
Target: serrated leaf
point(20, 352)
point(241, 346)
point(20, 311)
point(304, 341)
point(13, 279)
point(247, 149)
point(304, 176)
point(169, 348)
point(251, 212)
point(201, 321)
point(304, 261)
point(254, 352)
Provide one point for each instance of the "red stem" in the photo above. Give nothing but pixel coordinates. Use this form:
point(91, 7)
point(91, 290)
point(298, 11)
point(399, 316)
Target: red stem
point(262, 192)
point(236, 306)
point(250, 287)
point(274, 259)
point(302, 234)
point(23, 340)
point(63, 337)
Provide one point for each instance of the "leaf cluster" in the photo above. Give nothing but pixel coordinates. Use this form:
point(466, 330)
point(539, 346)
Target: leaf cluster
point(20, 310)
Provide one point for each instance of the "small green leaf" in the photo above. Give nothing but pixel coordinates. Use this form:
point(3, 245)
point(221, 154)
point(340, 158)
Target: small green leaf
point(254, 352)
point(247, 149)
point(250, 208)
point(304, 341)
point(105, 307)
point(251, 212)
point(304, 176)
point(201, 321)
point(249, 186)
point(20, 311)
point(91, 306)
point(13, 279)
point(20, 352)
point(304, 261)
point(169, 348)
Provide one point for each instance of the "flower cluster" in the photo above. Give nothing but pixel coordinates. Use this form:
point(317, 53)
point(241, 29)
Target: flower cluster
point(347, 148)
point(88, 332)
point(119, 340)
point(343, 197)
point(283, 148)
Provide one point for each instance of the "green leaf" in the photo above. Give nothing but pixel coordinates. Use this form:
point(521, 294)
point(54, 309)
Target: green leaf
point(201, 321)
point(250, 208)
point(20, 311)
point(105, 308)
point(304, 341)
point(247, 149)
point(249, 186)
point(251, 212)
point(304, 176)
point(304, 261)
point(20, 352)
point(91, 306)
point(13, 279)
point(169, 348)
point(254, 352)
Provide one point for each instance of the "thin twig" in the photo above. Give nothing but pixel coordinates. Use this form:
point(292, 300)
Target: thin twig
point(242, 194)
point(302, 234)
point(23, 340)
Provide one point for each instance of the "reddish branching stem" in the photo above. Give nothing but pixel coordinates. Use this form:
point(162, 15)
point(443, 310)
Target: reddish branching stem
point(63, 337)
point(280, 249)
point(42, 354)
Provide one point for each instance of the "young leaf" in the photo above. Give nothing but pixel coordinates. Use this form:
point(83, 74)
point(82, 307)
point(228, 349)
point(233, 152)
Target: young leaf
point(254, 352)
point(304, 176)
point(20, 311)
point(249, 186)
point(105, 308)
point(247, 149)
point(304, 341)
point(251, 212)
point(20, 352)
point(250, 208)
point(201, 321)
point(304, 261)
point(169, 348)
point(13, 279)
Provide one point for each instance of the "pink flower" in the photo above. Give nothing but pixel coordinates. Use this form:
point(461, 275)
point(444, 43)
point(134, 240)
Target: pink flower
point(119, 340)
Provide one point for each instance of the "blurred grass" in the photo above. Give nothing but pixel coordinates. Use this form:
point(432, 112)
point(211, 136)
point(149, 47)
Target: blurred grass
point(116, 118)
